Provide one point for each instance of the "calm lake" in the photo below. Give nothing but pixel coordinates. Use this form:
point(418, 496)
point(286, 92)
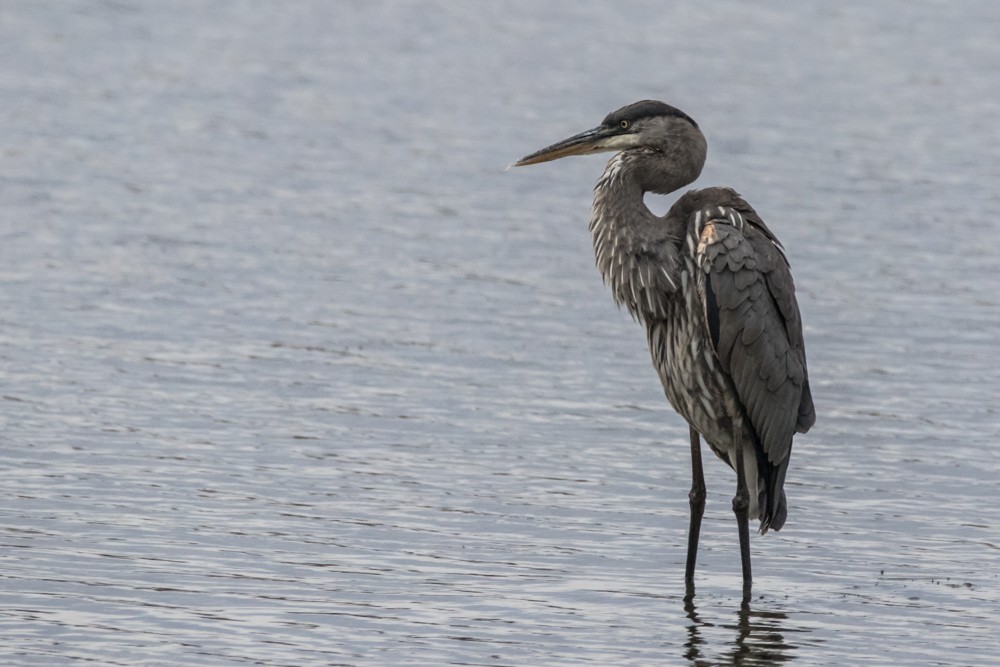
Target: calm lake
point(294, 373)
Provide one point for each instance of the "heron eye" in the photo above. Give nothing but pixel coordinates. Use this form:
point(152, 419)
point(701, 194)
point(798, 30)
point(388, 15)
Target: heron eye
point(624, 124)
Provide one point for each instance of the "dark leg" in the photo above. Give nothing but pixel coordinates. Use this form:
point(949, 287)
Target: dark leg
point(741, 505)
point(697, 499)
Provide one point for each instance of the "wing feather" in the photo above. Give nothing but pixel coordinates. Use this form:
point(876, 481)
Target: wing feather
point(756, 328)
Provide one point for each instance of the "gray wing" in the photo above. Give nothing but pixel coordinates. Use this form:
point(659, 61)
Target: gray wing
point(753, 320)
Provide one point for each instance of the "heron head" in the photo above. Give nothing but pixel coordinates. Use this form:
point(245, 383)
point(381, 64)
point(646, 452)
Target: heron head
point(647, 124)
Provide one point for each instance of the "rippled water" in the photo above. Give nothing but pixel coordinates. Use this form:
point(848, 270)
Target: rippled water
point(293, 373)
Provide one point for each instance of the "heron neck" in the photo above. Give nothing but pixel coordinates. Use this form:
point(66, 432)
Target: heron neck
point(618, 195)
point(636, 251)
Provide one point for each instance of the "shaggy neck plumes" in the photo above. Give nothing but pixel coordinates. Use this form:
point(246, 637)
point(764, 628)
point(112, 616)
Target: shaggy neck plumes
point(636, 251)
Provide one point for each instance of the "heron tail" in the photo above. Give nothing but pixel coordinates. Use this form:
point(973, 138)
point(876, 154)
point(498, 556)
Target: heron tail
point(771, 495)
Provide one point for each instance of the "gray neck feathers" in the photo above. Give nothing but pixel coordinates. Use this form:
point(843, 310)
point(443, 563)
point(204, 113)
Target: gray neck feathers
point(637, 252)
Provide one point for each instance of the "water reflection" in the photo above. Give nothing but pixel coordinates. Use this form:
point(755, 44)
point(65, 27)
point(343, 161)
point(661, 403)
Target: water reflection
point(757, 638)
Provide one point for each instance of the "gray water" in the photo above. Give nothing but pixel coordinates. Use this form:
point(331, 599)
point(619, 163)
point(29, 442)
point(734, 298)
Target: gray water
point(293, 373)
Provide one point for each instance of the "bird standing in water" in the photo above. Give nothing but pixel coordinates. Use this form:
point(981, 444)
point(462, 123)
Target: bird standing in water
point(713, 288)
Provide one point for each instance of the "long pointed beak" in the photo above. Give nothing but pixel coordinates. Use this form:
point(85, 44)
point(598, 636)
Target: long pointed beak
point(597, 140)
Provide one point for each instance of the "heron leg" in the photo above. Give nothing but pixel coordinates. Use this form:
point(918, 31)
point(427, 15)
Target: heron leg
point(741, 505)
point(697, 500)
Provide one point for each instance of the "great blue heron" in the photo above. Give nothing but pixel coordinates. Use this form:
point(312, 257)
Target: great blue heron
point(712, 286)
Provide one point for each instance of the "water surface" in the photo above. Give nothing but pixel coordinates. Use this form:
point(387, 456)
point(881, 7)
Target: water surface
point(293, 373)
